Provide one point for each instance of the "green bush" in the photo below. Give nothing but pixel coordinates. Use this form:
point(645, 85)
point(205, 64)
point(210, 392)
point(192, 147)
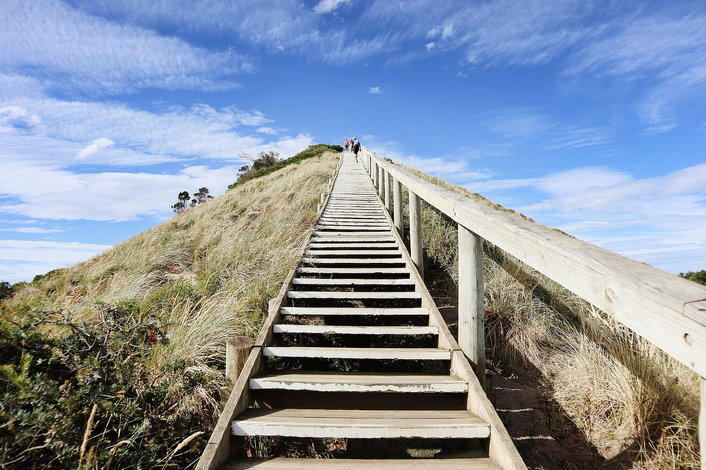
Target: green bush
point(312, 151)
point(54, 371)
point(698, 276)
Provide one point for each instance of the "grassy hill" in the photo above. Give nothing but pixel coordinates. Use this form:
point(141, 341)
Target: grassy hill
point(134, 338)
point(127, 348)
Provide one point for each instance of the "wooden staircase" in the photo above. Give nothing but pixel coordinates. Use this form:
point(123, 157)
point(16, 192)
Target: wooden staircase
point(355, 349)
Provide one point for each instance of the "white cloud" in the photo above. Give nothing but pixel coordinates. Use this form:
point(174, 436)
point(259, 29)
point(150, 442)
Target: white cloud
point(31, 230)
point(659, 220)
point(15, 117)
point(327, 6)
point(50, 193)
point(21, 260)
point(93, 147)
point(139, 137)
point(549, 132)
point(374, 90)
point(48, 251)
point(71, 48)
point(266, 130)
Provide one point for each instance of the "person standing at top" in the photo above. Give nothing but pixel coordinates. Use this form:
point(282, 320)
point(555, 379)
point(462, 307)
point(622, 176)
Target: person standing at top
point(356, 148)
point(346, 145)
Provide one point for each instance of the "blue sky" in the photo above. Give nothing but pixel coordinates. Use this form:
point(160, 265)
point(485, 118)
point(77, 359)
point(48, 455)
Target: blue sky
point(589, 116)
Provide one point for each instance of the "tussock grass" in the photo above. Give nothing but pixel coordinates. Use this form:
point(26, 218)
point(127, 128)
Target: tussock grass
point(205, 275)
point(630, 400)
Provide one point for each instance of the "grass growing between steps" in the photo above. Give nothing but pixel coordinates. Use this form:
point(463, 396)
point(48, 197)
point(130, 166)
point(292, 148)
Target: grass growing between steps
point(117, 362)
point(634, 404)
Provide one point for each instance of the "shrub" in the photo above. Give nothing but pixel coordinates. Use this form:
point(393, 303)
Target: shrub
point(312, 151)
point(49, 385)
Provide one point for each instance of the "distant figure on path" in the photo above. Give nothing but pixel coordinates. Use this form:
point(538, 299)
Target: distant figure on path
point(346, 145)
point(356, 147)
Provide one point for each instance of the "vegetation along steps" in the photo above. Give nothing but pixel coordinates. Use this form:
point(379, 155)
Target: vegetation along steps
point(354, 349)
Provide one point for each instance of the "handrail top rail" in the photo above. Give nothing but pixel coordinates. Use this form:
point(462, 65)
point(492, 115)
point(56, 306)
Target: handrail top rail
point(665, 309)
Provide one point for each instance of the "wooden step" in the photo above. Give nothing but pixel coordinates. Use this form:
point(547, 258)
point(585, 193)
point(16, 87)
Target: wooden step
point(301, 294)
point(335, 270)
point(341, 240)
point(314, 281)
point(353, 227)
point(350, 382)
point(355, 330)
point(420, 354)
point(352, 252)
point(353, 261)
point(347, 311)
point(480, 463)
point(361, 424)
point(386, 245)
point(365, 234)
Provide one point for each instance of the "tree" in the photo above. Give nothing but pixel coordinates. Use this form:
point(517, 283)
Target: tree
point(183, 201)
point(263, 160)
point(200, 196)
point(698, 276)
point(5, 289)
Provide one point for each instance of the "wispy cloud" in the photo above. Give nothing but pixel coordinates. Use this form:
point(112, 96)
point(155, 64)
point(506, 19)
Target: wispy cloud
point(70, 48)
point(49, 193)
point(35, 230)
point(136, 137)
point(20, 260)
point(95, 146)
point(645, 218)
point(548, 132)
point(327, 6)
point(374, 90)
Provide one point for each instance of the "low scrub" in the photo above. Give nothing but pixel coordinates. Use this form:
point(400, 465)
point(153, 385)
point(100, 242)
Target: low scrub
point(118, 362)
point(273, 165)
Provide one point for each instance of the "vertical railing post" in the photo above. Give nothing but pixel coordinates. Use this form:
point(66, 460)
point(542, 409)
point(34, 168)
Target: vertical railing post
point(237, 350)
point(415, 231)
point(702, 423)
point(388, 192)
point(471, 316)
point(378, 177)
point(397, 193)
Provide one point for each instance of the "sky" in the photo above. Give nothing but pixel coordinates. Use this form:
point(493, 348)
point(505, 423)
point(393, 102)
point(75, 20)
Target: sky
point(588, 116)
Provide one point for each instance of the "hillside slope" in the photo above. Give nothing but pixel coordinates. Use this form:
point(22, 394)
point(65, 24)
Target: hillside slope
point(117, 361)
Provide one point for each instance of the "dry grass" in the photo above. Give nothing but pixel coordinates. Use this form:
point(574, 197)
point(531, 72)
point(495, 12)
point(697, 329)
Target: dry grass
point(207, 272)
point(624, 394)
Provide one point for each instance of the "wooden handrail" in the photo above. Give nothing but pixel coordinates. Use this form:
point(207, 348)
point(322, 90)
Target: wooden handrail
point(665, 309)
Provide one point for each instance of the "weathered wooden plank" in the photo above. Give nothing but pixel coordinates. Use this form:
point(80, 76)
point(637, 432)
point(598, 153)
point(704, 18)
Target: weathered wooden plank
point(327, 261)
point(371, 270)
point(351, 382)
point(356, 330)
point(480, 463)
point(299, 294)
point(361, 252)
point(422, 354)
point(377, 311)
point(313, 281)
point(365, 424)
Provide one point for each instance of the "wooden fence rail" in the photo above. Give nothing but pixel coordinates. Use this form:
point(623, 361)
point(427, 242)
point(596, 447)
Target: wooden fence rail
point(665, 309)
